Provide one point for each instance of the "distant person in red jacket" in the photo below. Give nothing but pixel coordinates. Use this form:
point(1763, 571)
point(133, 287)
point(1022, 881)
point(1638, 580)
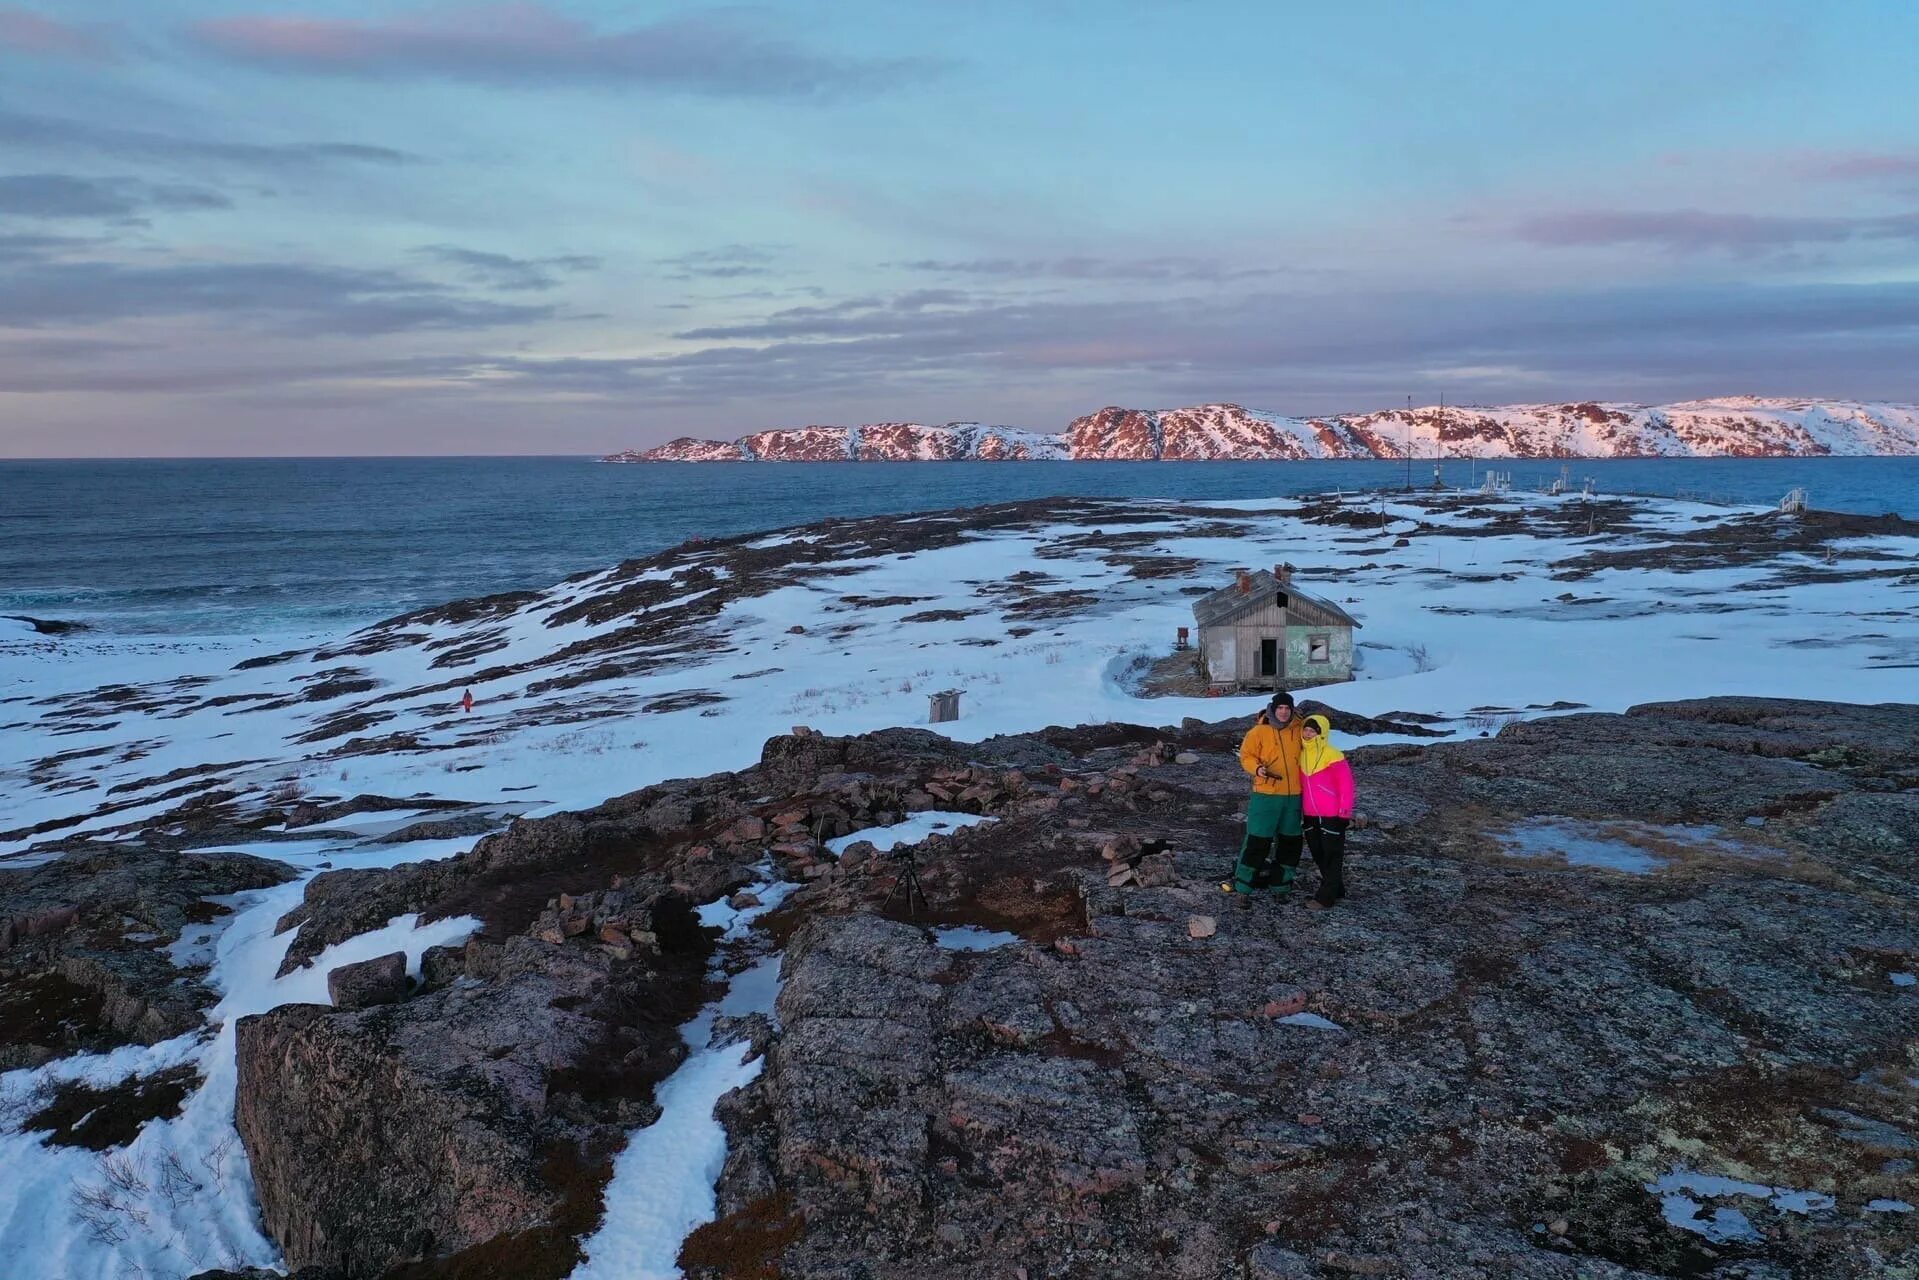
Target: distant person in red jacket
point(1326, 798)
point(466, 702)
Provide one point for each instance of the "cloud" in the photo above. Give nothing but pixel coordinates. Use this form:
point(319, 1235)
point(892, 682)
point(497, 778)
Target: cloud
point(727, 262)
point(32, 247)
point(503, 271)
point(530, 44)
point(1038, 362)
point(64, 137)
point(24, 31)
point(1174, 268)
point(1691, 231)
point(1851, 166)
point(1292, 352)
point(291, 297)
point(77, 366)
point(61, 195)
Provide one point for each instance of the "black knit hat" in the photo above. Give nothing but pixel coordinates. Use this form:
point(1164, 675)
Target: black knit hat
point(1280, 699)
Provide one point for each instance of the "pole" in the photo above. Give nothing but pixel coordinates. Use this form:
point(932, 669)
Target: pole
point(1409, 444)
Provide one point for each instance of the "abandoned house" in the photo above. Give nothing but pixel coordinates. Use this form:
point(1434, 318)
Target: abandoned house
point(1262, 632)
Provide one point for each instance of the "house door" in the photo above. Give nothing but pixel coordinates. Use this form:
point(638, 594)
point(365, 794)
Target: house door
point(1269, 657)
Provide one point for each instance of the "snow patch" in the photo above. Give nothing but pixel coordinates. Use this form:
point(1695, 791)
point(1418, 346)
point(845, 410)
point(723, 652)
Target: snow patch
point(910, 831)
point(1681, 1191)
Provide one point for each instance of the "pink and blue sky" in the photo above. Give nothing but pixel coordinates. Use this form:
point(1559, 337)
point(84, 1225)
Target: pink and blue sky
point(556, 226)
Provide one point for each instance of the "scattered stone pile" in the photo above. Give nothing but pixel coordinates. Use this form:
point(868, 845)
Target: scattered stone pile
point(1131, 861)
point(618, 919)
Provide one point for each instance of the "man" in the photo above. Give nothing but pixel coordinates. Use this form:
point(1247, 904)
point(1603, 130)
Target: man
point(1270, 753)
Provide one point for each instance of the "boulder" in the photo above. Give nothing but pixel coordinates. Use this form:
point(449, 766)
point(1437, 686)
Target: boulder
point(381, 980)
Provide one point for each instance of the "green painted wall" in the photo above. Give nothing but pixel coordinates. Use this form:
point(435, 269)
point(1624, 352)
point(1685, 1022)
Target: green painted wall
point(1298, 667)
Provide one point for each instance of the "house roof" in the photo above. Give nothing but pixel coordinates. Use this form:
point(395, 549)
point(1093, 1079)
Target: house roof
point(1230, 602)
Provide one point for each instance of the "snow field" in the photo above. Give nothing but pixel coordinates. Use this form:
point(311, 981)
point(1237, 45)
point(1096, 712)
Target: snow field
point(1443, 633)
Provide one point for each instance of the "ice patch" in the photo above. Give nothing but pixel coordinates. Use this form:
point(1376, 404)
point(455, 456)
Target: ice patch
point(1887, 1206)
point(1681, 1191)
point(1634, 848)
point(969, 937)
point(1802, 1201)
point(1310, 1020)
point(913, 830)
point(1574, 842)
point(1903, 979)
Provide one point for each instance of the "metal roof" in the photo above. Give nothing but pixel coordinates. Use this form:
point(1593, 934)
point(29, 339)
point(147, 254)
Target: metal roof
point(1229, 602)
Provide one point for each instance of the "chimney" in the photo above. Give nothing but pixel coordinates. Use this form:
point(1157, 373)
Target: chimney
point(1244, 579)
point(1284, 572)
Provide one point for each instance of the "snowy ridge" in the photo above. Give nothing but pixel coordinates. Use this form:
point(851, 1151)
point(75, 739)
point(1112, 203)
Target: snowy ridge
point(871, 442)
point(1736, 426)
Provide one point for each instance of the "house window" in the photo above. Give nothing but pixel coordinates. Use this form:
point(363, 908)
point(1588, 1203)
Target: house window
point(1319, 648)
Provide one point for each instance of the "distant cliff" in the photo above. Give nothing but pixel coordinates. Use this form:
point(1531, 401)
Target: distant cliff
point(1739, 426)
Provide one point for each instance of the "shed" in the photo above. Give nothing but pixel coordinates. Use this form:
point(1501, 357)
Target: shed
point(1263, 632)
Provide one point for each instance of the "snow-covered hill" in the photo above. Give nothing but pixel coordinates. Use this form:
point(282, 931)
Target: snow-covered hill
point(1738, 426)
point(874, 442)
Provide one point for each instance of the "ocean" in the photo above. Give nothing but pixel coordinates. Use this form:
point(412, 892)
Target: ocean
point(298, 546)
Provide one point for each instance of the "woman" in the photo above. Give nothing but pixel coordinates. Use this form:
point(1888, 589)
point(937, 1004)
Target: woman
point(1326, 796)
point(1270, 753)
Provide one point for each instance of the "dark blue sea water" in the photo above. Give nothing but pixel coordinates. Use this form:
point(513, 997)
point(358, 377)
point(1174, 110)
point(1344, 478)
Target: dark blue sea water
point(258, 546)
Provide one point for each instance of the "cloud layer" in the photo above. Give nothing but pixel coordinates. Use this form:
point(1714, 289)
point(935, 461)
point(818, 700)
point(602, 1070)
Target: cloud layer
point(52, 134)
point(62, 195)
point(24, 31)
point(717, 53)
point(1685, 231)
point(294, 298)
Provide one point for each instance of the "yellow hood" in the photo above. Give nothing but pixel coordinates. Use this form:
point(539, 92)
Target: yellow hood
point(1319, 753)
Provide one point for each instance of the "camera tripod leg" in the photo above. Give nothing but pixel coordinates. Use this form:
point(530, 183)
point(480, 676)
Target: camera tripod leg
point(907, 878)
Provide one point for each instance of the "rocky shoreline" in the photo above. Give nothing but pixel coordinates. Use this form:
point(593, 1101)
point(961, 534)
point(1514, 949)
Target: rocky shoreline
point(1478, 1066)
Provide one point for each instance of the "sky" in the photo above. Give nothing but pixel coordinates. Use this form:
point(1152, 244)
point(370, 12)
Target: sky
point(571, 226)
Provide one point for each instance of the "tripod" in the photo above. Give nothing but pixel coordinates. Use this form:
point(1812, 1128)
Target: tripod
point(908, 878)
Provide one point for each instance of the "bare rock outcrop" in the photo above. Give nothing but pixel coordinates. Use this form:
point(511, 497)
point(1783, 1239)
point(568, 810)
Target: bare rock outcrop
point(1480, 1063)
point(381, 980)
point(1483, 1063)
point(84, 960)
point(396, 1134)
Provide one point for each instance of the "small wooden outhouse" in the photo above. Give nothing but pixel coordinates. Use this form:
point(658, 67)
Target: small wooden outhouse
point(1262, 632)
